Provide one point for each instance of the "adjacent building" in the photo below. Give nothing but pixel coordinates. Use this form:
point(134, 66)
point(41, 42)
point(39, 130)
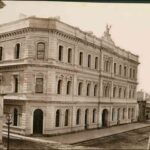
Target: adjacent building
point(144, 105)
point(60, 79)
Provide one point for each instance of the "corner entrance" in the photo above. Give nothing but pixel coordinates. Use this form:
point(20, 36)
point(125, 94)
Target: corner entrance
point(105, 118)
point(38, 122)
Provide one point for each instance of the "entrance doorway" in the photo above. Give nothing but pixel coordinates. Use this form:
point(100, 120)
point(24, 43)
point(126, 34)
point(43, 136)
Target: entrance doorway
point(118, 116)
point(38, 122)
point(86, 118)
point(105, 118)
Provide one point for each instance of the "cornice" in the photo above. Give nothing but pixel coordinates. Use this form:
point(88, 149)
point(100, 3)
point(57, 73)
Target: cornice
point(74, 38)
point(117, 79)
point(68, 36)
point(14, 33)
point(93, 45)
point(10, 67)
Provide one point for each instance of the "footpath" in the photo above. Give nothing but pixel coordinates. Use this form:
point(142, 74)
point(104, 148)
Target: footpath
point(64, 141)
point(85, 135)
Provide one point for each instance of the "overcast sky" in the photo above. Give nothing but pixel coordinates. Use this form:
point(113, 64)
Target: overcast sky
point(130, 24)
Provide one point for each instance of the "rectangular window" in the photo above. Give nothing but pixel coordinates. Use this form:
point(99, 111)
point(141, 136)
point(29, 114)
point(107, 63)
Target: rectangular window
point(81, 58)
point(125, 71)
point(17, 51)
point(60, 55)
point(39, 85)
point(40, 51)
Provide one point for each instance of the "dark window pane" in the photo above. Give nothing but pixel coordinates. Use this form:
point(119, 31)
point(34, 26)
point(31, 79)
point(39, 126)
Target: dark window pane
point(57, 123)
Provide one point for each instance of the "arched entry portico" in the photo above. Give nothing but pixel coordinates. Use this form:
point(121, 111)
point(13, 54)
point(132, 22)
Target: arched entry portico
point(105, 118)
point(38, 121)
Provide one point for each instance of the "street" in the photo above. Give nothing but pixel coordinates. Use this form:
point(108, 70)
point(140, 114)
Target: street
point(19, 144)
point(135, 139)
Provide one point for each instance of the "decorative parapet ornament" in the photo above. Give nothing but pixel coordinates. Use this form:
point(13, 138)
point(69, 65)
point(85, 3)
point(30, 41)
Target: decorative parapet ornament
point(1, 4)
point(107, 36)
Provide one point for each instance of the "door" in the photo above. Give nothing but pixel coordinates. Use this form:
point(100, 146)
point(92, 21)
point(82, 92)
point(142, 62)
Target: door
point(105, 118)
point(38, 122)
point(86, 118)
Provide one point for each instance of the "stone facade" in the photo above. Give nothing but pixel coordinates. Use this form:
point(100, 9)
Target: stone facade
point(59, 79)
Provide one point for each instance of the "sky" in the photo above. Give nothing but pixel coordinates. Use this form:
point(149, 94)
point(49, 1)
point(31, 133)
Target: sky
point(130, 24)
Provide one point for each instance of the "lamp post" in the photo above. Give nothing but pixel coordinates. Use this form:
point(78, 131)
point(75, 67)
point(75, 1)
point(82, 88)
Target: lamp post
point(9, 122)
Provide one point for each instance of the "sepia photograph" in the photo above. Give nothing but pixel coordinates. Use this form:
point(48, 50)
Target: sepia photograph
point(74, 75)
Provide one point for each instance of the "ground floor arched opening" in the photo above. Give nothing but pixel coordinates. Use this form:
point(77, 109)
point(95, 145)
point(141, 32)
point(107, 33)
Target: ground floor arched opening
point(86, 119)
point(118, 116)
point(105, 118)
point(38, 122)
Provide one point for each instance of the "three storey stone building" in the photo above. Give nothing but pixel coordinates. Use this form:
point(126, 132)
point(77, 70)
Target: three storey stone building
point(59, 79)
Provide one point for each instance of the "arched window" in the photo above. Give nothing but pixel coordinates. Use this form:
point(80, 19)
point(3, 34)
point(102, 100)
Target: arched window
point(16, 83)
point(124, 110)
point(94, 115)
point(15, 114)
point(132, 113)
point(60, 54)
point(114, 68)
point(96, 62)
point(125, 71)
point(80, 88)
point(130, 93)
point(133, 93)
point(81, 58)
point(130, 72)
point(129, 113)
point(89, 61)
point(114, 92)
point(59, 87)
point(113, 114)
point(133, 73)
point(107, 66)
point(17, 51)
point(66, 117)
point(95, 90)
point(69, 55)
point(106, 91)
point(68, 87)
point(86, 118)
point(118, 114)
point(40, 51)
point(120, 91)
point(88, 89)
point(57, 123)
point(78, 116)
point(120, 70)
point(125, 93)
point(1, 53)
